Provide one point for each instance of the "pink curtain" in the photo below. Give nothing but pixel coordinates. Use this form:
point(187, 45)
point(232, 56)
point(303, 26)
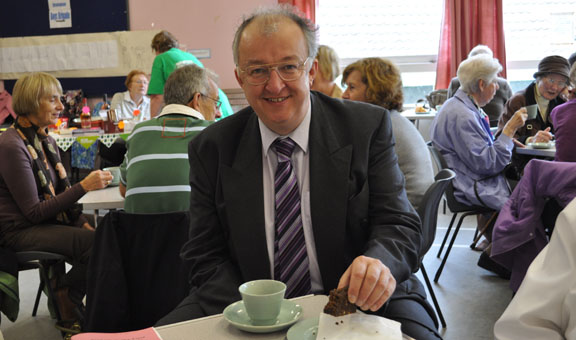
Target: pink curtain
point(308, 7)
point(467, 23)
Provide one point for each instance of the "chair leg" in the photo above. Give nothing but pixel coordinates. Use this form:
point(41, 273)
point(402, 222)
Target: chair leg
point(44, 273)
point(478, 235)
point(446, 235)
point(439, 271)
point(433, 295)
point(38, 296)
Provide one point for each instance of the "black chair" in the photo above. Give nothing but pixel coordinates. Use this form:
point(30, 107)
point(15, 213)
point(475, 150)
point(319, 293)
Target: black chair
point(456, 208)
point(136, 275)
point(428, 211)
point(42, 261)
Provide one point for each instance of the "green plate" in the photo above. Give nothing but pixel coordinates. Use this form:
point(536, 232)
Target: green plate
point(236, 315)
point(304, 330)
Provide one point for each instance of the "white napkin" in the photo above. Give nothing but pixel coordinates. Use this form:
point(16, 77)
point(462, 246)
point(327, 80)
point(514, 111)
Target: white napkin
point(357, 326)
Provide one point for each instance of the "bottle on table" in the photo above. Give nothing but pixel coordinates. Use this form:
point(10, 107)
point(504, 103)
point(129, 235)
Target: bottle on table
point(85, 118)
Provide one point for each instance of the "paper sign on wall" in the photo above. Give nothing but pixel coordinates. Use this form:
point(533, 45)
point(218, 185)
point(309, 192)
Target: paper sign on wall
point(60, 13)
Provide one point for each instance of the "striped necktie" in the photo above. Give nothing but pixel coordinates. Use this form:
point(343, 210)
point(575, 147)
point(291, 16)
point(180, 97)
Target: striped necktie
point(290, 256)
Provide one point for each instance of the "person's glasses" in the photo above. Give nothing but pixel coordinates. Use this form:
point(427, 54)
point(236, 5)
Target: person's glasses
point(217, 102)
point(140, 82)
point(558, 82)
point(259, 74)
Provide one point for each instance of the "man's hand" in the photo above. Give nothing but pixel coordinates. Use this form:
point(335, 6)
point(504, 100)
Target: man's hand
point(370, 283)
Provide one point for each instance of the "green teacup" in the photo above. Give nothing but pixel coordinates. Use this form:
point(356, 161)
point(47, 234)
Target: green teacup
point(262, 300)
point(115, 171)
point(532, 111)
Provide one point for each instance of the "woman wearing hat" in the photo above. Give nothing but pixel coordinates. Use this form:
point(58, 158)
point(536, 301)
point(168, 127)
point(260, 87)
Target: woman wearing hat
point(551, 79)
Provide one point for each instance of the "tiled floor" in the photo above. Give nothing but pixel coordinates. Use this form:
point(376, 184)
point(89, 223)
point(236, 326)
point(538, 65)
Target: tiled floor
point(471, 298)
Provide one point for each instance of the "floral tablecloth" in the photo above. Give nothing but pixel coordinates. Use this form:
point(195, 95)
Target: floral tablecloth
point(84, 148)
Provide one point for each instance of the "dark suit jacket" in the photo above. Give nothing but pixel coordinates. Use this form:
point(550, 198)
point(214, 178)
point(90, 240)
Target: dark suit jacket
point(358, 201)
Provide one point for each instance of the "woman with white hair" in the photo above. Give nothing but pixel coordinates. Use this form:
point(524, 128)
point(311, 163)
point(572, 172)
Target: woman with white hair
point(461, 132)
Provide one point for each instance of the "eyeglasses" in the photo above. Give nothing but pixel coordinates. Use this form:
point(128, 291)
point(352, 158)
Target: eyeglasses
point(260, 74)
point(140, 82)
point(217, 102)
point(560, 83)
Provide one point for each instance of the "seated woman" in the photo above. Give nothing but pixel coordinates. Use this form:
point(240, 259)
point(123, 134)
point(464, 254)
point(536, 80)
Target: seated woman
point(38, 209)
point(551, 79)
point(461, 132)
point(124, 103)
point(378, 81)
point(563, 118)
point(328, 70)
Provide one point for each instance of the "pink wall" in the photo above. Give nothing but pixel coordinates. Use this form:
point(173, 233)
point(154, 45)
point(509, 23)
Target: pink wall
point(198, 25)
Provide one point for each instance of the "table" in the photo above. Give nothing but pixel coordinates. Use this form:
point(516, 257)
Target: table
point(216, 328)
point(107, 198)
point(529, 150)
point(416, 117)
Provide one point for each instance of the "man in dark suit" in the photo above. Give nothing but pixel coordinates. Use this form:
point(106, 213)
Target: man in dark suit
point(359, 229)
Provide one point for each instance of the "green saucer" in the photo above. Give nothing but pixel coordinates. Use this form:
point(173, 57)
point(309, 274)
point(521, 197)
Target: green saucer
point(304, 330)
point(236, 315)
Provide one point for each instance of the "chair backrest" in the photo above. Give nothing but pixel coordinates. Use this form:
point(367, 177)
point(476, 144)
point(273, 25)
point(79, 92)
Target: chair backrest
point(453, 204)
point(428, 208)
point(136, 275)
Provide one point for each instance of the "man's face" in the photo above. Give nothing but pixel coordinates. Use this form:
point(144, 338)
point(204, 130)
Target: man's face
point(280, 104)
point(209, 103)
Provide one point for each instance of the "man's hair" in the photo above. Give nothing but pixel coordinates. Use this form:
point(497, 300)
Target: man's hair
point(269, 18)
point(133, 74)
point(473, 69)
point(328, 62)
point(480, 49)
point(30, 89)
point(164, 41)
point(183, 83)
point(383, 81)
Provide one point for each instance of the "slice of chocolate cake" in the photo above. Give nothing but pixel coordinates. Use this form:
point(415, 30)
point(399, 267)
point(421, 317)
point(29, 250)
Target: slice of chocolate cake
point(338, 304)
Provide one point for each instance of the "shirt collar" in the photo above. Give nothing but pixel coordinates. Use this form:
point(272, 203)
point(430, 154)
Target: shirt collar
point(180, 109)
point(300, 135)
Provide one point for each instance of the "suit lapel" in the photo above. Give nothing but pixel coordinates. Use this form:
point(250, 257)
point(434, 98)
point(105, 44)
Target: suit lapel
point(329, 171)
point(243, 197)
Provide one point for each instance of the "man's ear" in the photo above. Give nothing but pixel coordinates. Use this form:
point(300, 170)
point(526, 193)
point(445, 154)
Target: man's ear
point(312, 72)
point(238, 79)
point(195, 102)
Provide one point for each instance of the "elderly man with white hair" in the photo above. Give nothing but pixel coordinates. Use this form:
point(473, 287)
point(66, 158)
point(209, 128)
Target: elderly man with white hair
point(461, 132)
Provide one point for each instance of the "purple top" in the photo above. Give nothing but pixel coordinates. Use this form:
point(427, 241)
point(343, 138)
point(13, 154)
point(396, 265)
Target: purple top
point(19, 193)
point(563, 118)
point(518, 234)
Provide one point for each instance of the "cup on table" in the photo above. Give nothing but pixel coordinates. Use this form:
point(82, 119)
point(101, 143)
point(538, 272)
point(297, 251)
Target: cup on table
point(115, 171)
point(532, 111)
point(262, 300)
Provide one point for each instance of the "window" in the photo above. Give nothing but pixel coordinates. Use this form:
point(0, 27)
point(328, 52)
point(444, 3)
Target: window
point(407, 32)
point(535, 29)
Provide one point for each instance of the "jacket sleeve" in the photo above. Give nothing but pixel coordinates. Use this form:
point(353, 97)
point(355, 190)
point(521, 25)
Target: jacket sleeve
point(16, 170)
point(212, 271)
point(395, 229)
